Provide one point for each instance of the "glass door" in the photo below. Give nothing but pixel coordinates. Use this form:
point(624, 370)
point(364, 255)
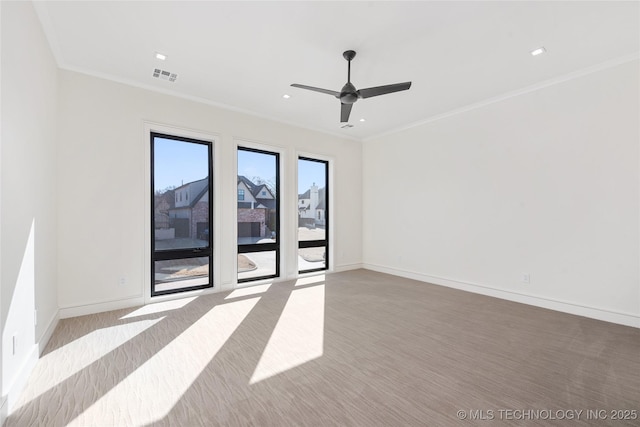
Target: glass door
point(181, 217)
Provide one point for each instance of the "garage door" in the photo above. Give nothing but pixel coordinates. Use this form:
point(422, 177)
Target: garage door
point(248, 229)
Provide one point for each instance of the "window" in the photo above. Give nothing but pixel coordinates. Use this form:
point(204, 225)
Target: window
point(259, 222)
point(313, 214)
point(264, 193)
point(181, 249)
point(240, 195)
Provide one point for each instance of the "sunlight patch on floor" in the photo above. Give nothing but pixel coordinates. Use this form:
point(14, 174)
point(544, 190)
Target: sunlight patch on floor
point(159, 307)
point(298, 335)
point(320, 278)
point(250, 290)
point(152, 390)
point(85, 350)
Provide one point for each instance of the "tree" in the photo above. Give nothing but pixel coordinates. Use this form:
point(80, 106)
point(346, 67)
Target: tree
point(164, 190)
point(270, 183)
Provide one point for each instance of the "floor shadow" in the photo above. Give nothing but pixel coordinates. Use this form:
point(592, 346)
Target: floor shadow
point(72, 396)
point(394, 352)
point(226, 377)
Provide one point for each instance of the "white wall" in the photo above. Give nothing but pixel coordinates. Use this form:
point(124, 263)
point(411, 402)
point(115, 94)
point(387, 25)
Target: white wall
point(545, 183)
point(103, 185)
point(27, 191)
point(3, 401)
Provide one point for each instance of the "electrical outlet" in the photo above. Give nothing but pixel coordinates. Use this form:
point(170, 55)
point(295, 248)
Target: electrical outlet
point(122, 281)
point(35, 317)
point(14, 344)
point(526, 278)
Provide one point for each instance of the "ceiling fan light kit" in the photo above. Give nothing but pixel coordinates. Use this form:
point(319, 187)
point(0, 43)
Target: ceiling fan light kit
point(348, 95)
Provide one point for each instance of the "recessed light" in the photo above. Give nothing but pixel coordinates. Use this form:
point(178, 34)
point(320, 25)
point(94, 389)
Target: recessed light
point(363, 120)
point(285, 96)
point(161, 56)
point(538, 51)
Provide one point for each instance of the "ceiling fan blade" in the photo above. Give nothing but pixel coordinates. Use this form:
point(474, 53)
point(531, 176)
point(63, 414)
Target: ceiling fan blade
point(383, 90)
point(345, 111)
point(317, 89)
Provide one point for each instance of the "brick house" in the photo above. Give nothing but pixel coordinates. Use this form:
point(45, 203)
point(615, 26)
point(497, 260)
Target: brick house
point(190, 213)
point(256, 209)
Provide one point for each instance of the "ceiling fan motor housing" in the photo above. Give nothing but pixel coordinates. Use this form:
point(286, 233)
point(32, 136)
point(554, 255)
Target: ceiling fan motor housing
point(348, 94)
point(349, 54)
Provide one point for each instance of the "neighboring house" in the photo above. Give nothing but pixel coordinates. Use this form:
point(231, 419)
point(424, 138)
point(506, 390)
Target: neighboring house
point(312, 206)
point(256, 209)
point(190, 213)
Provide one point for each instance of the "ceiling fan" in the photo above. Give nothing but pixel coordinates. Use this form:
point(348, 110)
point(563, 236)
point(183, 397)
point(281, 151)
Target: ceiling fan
point(349, 95)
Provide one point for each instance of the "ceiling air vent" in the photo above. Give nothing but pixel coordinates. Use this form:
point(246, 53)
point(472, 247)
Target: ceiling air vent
point(164, 75)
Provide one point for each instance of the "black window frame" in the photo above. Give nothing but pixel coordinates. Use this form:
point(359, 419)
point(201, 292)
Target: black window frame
point(263, 247)
point(184, 253)
point(302, 244)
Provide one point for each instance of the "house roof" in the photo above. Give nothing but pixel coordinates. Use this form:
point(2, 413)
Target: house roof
point(321, 197)
point(255, 189)
point(246, 181)
point(191, 183)
point(192, 203)
point(305, 195)
point(268, 203)
point(199, 196)
point(257, 205)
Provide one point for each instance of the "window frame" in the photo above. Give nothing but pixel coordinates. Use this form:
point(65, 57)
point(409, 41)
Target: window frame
point(303, 244)
point(182, 253)
point(262, 247)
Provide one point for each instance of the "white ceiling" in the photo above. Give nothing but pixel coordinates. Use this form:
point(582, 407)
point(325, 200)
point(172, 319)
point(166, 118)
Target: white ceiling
point(244, 55)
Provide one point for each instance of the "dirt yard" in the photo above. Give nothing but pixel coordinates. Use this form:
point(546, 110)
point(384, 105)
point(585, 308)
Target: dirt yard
point(312, 254)
point(245, 264)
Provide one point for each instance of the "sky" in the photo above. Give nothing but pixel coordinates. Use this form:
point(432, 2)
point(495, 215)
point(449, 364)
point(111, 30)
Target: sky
point(252, 164)
point(310, 173)
point(178, 162)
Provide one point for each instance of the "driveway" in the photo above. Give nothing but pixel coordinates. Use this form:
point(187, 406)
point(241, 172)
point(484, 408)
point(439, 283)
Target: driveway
point(266, 264)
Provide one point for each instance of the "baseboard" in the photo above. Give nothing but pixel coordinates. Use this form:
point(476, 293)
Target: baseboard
point(15, 388)
point(25, 370)
point(83, 310)
point(347, 267)
point(46, 336)
point(552, 304)
point(226, 286)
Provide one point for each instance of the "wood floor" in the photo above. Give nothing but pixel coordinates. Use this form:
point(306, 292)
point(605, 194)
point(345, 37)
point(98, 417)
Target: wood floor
point(357, 348)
